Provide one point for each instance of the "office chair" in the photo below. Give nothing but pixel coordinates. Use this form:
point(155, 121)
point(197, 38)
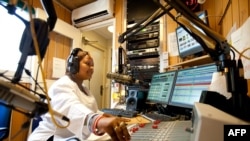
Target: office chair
point(5, 114)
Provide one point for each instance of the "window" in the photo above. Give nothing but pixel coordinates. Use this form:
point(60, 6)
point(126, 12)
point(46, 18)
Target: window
point(11, 28)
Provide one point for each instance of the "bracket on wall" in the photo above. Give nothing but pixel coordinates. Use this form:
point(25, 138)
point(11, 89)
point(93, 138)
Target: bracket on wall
point(85, 41)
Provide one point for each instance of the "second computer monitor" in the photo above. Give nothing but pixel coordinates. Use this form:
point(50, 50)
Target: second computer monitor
point(187, 45)
point(189, 85)
point(161, 87)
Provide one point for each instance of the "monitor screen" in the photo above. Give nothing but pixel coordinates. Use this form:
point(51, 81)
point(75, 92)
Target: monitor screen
point(190, 83)
point(161, 87)
point(187, 45)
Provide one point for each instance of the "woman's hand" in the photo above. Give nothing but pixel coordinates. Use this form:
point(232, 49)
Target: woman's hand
point(115, 127)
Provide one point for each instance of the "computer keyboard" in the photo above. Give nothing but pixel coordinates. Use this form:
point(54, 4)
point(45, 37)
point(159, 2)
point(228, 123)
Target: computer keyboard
point(163, 131)
point(120, 112)
point(160, 117)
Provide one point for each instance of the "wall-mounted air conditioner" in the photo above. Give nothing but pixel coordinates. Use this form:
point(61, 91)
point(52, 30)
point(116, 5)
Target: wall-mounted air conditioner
point(92, 13)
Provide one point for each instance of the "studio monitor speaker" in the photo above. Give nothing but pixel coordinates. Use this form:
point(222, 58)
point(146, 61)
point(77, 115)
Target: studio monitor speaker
point(135, 100)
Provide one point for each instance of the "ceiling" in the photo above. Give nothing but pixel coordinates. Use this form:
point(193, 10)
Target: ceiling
point(73, 4)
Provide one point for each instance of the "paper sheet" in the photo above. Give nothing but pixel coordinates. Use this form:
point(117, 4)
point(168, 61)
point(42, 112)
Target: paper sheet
point(172, 44)
point(240, 40)
point(218, 84)
point(59, 67)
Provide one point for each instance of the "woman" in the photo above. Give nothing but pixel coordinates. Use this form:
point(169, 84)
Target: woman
point(71, 98)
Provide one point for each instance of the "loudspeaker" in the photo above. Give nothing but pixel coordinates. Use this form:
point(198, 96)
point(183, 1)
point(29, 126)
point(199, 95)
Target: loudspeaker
point(135, 100)
point(73, 61)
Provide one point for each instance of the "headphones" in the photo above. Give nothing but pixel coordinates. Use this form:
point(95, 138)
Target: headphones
point(73, 61)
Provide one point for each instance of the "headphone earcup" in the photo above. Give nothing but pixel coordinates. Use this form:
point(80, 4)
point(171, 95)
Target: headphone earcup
point(73, 61)
point(75, 65)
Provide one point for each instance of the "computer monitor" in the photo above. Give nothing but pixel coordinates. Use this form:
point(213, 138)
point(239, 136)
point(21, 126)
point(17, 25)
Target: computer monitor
point(187, 45)
point(161, 87)
point(189, 85)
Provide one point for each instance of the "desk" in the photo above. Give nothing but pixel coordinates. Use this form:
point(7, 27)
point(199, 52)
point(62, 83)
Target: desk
point(138, 119)
point(209, 124)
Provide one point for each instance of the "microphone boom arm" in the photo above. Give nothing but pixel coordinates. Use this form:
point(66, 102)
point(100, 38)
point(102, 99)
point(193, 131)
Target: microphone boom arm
point(142, 24)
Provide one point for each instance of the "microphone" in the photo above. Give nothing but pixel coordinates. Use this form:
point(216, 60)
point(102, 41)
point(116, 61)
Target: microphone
point(124, 79)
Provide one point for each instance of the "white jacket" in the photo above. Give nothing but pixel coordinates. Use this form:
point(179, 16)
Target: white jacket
point(69, 100)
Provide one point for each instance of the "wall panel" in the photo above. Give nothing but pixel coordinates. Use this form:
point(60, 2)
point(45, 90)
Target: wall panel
point(59, 47)
point(243, 10)
point(235, 13)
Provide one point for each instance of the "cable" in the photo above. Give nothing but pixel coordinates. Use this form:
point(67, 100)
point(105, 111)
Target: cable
point(29, 74)
point(241, 54)
point(50, 110)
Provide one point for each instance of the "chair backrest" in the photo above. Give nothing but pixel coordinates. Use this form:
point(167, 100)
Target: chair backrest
point(5, 114)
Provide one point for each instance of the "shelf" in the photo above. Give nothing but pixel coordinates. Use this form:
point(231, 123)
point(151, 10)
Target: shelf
point(193, 62)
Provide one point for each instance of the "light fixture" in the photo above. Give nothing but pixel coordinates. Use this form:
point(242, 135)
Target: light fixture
point(111, 28)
